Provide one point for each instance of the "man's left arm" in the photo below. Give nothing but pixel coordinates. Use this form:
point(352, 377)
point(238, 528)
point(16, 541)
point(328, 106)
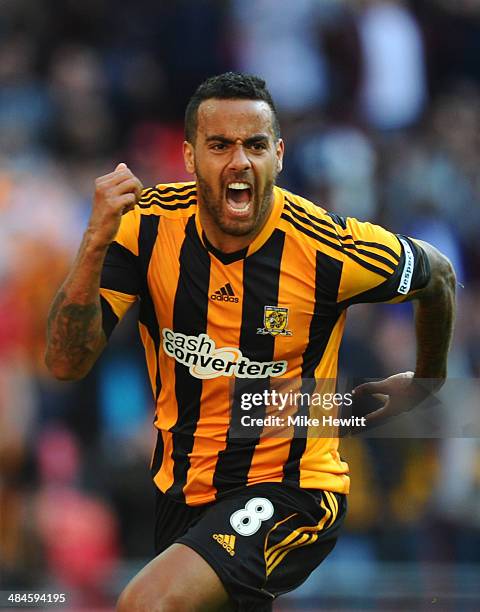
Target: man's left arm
point(434, 316)
point(434, 319)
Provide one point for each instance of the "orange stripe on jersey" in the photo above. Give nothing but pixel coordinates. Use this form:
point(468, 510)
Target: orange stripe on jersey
point(190, 318)
point(297, 290)
point(119, 302)
point(167, 195)
point(183, 209)
point(127, 234)
point(377, 254)
point(320, 468)
point(171, 233)
point(150, 355)
point(363, 279)
point(357, 277)
point(320, 451)
point(325, 315)
point(166, 190)
point(174, 187)
point(328, 365)
point(158, 206)
point(163, 278)
point(224, 322)
point(370, 258)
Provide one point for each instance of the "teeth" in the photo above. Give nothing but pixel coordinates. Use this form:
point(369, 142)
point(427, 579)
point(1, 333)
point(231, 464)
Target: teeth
point(238, 186)
point(244, 208)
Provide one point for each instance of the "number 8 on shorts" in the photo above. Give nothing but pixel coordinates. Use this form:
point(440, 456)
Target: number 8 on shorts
point(247, 521)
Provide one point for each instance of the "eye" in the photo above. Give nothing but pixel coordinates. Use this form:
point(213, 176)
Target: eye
point(258, 146)
point(219, 146)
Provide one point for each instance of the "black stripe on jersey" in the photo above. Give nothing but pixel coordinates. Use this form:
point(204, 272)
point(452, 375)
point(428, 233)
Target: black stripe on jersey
point(157, 455)
point(189, 318)
point(109, 318)
point(149, 191)
point(169, 198)
point(182, 188)
point(161, 204)
point(147, 236)
point(371, 255)
point(343, 225)
point(383, 247)
point(120, 270)
point(261, 277)
point(337, 247)
point(120, 273)
point(291, 205)
point(311, 219)
point(328, 272)
point(225, 258)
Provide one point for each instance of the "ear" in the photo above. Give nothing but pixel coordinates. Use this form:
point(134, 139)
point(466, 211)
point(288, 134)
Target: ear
point(279, 152)
point(189, 157)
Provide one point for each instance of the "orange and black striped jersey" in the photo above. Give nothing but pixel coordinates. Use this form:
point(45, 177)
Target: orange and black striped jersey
point(203, 322)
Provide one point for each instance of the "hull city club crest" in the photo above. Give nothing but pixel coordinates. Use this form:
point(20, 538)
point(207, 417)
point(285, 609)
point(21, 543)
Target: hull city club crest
point(275, 321)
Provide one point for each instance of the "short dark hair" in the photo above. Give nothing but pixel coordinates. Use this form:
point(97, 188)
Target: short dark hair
point(228, 86)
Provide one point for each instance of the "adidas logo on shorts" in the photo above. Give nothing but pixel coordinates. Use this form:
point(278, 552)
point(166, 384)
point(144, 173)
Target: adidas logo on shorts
point(225, 294)
point(227, 541)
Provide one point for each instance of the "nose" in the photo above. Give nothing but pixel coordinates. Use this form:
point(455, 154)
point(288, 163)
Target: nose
point(239, 160)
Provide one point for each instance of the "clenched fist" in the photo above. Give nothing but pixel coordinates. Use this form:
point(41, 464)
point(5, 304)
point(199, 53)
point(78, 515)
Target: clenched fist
point(115, 194)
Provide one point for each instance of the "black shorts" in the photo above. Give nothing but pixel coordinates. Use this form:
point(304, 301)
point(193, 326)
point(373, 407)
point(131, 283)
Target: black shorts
point(262, 541)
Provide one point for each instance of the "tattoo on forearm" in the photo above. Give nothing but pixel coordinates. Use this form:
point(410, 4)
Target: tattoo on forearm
point(73, 329)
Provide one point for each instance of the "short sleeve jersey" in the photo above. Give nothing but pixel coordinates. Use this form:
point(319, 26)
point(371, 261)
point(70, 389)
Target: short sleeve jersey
point(275, 309)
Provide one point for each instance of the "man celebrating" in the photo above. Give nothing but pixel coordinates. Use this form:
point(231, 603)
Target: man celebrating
point(238, 279)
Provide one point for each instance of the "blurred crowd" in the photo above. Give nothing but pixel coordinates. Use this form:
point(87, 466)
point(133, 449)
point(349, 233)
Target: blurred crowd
point(379, 103)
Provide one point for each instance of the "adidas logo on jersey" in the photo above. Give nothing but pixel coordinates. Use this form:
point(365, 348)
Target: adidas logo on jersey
point(227, 541)
point(225, 294)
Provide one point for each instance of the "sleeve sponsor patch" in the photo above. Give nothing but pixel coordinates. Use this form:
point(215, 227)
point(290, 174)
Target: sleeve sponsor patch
point(408, 268)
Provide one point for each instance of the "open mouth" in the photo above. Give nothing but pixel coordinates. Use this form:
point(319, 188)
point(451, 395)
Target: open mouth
point(239, 198)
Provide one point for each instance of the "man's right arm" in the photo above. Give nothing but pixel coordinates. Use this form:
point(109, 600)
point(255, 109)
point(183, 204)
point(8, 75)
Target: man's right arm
point(75, 337)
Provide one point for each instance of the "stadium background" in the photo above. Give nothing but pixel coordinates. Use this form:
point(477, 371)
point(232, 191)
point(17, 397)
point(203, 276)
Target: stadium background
point(379, 103)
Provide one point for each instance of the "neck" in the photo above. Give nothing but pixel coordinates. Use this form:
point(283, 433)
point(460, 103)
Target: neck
point(222, 241)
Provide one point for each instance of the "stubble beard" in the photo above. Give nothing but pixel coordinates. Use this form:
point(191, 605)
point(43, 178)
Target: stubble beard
point(215, 208)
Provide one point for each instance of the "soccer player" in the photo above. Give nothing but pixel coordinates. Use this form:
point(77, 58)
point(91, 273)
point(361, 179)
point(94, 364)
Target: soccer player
point(238, 280)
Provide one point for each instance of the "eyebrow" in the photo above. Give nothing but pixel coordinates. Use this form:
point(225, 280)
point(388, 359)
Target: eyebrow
point(249, 141)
